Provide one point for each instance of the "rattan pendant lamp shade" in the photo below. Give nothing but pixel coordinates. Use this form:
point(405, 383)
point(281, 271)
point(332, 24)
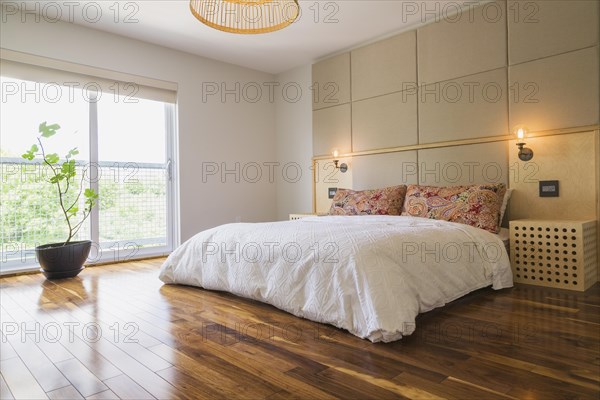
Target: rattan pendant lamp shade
point(246, 16)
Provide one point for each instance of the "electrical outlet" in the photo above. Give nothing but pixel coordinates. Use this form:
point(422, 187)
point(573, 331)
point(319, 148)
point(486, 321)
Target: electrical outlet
point(331, 192)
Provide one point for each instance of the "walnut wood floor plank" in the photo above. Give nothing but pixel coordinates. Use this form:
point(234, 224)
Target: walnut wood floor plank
point(81, 378)
point(106, 395)
point(194, 388)
point(125, 388)
point(4, 390)
point(20, 381)
point(526, 342)
point(66, 393)
point(6, 350)
point(448, 389)
point(24, 343)
point(89, 357)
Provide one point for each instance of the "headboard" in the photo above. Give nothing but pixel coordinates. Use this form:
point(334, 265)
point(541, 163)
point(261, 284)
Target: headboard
point(439, 104)
point(443, 164)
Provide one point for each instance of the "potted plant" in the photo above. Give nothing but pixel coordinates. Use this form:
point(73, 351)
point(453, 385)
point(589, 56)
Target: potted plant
point(64, 259)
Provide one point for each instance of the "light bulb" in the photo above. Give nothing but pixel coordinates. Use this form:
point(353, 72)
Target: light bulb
point(521, 132)
point(335, 153)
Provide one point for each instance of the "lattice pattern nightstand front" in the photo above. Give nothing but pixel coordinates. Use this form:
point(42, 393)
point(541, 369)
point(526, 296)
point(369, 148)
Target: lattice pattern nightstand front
point(294, 217)
point(560, 254)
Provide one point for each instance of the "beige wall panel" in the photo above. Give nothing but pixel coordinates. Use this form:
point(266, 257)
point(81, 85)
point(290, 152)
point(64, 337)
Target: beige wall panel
point(598, 198)
point(474, 42)
point(539, 29)
point(331, 81)
point(384, 67)
point(466, 108)
point(332, 130)
point(572, 160)
point(382, 170)
point(464, 165)
point(328, 177)
point(555, 92)
point(385, 121)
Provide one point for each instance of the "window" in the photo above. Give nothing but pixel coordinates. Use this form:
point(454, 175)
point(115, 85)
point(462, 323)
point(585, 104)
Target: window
point(125, 138)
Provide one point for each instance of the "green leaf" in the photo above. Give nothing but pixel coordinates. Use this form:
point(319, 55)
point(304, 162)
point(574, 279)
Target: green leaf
point(30, 154)
point(48, 131)
point(71, 153)
point(68, 168)
point(57, 178)
point(52, 158)
point(90, 199)
point(90, 194)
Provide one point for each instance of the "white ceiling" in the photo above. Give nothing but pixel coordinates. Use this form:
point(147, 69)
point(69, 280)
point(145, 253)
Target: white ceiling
point(324, 27)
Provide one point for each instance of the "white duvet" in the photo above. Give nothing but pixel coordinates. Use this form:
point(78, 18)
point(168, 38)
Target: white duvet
point(370, 275)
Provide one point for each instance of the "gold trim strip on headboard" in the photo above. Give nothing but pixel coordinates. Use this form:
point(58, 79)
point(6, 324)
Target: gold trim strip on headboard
point(463, 142)
point(565, 131)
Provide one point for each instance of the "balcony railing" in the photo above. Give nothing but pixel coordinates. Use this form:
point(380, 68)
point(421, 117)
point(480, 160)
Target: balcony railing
point(132, 207)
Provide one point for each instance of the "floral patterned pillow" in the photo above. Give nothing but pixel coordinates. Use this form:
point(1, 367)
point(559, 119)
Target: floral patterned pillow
point(387, 201)
point(476, 205)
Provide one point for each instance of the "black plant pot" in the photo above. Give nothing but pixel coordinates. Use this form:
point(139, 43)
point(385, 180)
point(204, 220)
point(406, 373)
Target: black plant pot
point(59, 261)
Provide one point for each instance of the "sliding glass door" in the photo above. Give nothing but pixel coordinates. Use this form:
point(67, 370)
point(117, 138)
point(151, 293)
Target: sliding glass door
point(125, 148)
point(136, 175)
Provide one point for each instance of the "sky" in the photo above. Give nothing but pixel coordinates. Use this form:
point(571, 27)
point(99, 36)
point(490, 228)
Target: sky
point(127, 131)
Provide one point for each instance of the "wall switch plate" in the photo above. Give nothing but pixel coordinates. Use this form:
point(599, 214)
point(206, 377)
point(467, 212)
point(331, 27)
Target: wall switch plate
point(331, 192)
point(548, 188)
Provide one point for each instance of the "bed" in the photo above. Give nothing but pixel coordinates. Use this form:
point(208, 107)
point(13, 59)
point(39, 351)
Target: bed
point(370, 275)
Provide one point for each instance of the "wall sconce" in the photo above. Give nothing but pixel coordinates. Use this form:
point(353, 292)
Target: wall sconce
point(343, 167)
point(525, 154)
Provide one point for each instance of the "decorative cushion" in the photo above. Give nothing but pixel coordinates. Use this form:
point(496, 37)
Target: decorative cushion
point(387, 201)
point(505, 204)
point(475, 205)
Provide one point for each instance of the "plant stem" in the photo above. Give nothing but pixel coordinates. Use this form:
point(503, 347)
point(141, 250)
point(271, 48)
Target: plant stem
point(60, 193)
point(80, 190)
point(76, 227)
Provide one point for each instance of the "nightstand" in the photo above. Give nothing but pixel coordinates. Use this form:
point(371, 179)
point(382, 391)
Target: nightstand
point(560, 254)
point(294, 217)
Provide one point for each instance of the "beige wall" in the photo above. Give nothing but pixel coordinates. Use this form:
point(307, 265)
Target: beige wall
point(214, 131)
point(293, 124)
point(472, 77)
point(572, 159)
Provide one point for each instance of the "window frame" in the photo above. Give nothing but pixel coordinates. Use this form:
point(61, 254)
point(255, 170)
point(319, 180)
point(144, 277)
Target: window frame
point(28, 261)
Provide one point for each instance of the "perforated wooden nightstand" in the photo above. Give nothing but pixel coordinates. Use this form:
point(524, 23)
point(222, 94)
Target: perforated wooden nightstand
point(560, 254)
point(294, 217)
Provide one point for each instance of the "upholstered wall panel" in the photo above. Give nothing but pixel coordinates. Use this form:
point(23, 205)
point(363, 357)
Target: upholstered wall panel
point(331, 81)
point(384, 121)
point(543, 28)
point(381, 170)
point(464, 165)
point(384, 67)
point(556, 92)
point(552, 83)
point(473, 42)
point(470, 107)
point(331, 129)
point(573, 161)
point(326, 176)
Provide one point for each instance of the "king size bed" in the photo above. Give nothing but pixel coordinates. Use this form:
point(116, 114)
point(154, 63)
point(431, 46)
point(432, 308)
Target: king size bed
point(370, 275)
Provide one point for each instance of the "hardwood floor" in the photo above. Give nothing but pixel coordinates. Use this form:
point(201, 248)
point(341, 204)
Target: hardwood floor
point(117, 332)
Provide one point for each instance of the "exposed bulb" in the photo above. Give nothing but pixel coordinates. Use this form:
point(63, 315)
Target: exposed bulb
point(521, 132)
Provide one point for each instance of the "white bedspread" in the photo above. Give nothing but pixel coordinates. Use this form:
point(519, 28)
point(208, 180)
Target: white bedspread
point(370, 275)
